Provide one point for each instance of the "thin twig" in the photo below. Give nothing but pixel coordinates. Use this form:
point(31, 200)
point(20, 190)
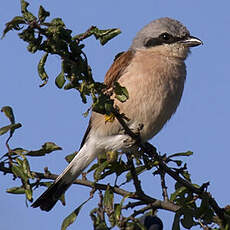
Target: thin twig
point(133, 204)
point(142, 210)
point(163, 186)
point(100, 210)
point(136, 181)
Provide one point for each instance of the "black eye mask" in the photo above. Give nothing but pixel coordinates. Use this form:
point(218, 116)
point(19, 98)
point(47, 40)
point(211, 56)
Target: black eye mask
point(164, 38)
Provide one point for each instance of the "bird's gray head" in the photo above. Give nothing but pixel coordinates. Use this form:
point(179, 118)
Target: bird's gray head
point(167, 32)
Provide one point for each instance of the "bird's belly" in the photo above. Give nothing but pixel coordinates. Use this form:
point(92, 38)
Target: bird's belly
point(154, 108)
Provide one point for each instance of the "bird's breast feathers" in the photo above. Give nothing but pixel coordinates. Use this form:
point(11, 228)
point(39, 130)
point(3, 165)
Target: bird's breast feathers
point(163, 79)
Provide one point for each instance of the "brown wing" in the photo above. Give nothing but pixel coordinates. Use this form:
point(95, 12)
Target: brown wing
point(117, 68)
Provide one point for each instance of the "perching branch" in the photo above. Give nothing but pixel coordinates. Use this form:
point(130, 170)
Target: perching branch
point(151, 151)
point(157, 204)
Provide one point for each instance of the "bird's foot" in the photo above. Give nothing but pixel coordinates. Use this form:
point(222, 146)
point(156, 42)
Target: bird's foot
point(135, 128)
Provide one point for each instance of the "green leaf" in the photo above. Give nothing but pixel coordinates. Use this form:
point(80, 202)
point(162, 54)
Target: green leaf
point(227, 209)
point(108, 35)
point(184, 154)
point(8, 111)
point(70, 157)
point(57, 22)
point(62, 199)
point(176, 222)
point(68, 86)
point(205, 211)
point(36, 153)
point(117, 212)
point(11, 128)
point(121, 93)
point(20, 162)
point(131, 226)
point(186, 175)
point(203, 207)
point(94, 166)
point(99, 170)
point(43, 14)
point(14, 24)
point(178, 162)
point(60, 80)
point(108, 108)
point(16, 190)
point(98, 222)
point(103, 104)
point(105, 35)
point(140, 226)
point(187, 220)
point(112, 167)
point(32, 47)
point(108, 200)
point(26, 168)
point(139, 170)
point(28, 35)
point(19, 151)
point(24, 6)
point(208, 216)
point(86, 113)
point(29, 17)
point(72, 217)
point(48, 147)
point(112, 156)
point(41, 69)
point(29, 193)
point(18, 172)
point(178, 192)
point(118, 208)
point(45, 184)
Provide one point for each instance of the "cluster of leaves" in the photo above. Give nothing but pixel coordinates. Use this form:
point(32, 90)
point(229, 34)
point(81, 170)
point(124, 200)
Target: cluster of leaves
point(54, 38)
point(191, 209)
point(17, 159)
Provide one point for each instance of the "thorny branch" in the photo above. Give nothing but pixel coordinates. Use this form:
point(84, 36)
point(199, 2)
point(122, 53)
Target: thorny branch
point(151, 151)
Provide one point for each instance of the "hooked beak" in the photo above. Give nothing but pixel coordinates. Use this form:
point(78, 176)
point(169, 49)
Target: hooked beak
point(191, 41)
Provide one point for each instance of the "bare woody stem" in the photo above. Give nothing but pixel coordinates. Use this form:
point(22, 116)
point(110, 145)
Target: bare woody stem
point(136, 181)
point(164, 187)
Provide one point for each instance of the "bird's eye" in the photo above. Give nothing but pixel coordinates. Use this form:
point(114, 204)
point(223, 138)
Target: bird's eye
point(167, 38)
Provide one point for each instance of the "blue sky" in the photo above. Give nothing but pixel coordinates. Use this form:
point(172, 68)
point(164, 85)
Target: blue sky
point(201, 124)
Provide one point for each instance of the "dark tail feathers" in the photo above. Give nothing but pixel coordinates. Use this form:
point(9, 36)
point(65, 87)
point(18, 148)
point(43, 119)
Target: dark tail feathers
point(50, 197)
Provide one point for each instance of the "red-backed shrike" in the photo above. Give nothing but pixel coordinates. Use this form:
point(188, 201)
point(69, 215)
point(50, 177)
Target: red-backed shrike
point(153, 71)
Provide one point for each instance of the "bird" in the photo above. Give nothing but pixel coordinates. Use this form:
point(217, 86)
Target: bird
point(153, 71)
